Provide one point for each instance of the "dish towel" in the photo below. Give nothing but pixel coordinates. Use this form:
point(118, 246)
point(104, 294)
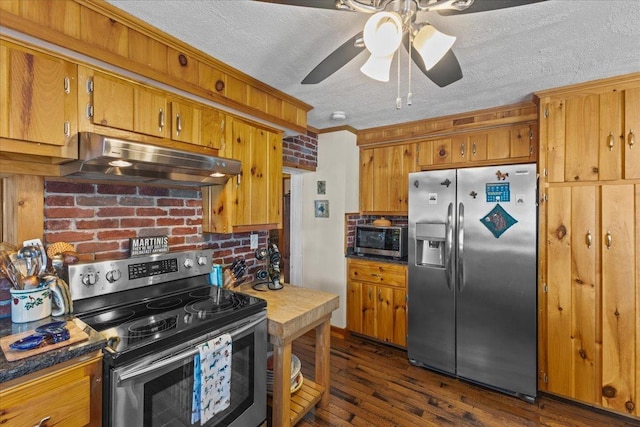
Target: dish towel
point(212, 379)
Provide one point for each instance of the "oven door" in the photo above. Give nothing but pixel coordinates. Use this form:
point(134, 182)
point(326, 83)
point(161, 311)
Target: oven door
point(158, 390)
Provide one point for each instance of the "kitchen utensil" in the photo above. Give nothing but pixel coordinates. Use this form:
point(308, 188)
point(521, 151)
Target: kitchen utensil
point(42, 254)
point(32, 258)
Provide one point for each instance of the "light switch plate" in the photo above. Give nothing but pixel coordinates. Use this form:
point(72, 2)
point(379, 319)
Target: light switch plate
point(254, 241)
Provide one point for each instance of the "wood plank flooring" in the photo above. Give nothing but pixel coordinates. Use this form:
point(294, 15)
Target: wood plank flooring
point(375, 385)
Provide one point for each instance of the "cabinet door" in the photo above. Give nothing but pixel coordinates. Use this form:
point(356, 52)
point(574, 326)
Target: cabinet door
point(383, 161)
point(38, 96)
point(369, 310)
point(385, 314)
point(441, 151)
point(354, 306)
point(478, 147)
point(631, 131)
point(151, 115)
point(274, 179)
point(498, 144)
point(459, 149)
point(521, 143)
point(241, 205)
point(611, 140)
point(425, 154)
point(400, 317)
point(367, 193)
point(619, 299)
point(572, 236)
point(185, 122)
point(113, 102)
point(213, 128)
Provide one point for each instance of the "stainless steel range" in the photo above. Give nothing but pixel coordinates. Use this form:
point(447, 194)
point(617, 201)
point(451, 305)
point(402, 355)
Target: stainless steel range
point(157, 313)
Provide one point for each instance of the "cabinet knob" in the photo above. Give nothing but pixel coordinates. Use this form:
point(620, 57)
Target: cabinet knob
point(589, 239)
point(632, 138)
point(43, 422)
point(610, 141)
point(609, 240)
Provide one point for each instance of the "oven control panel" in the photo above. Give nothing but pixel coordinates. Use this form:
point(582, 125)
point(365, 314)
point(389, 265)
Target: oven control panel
point(98, 278)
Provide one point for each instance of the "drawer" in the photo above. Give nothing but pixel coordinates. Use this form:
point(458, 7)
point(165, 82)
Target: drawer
point(382, 273)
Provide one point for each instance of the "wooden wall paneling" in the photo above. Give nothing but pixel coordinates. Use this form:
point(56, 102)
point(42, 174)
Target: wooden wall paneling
point(618, 299)
point(236, 90)
point(498, 144)
point(631, 134)
point(611, 137)
point(104, 33)
point(559, 309)
point(212, 79)
point(585, 288)
point(581, 138)
point(182, 66)
point(23, 208)
point(637, 301)
point(257, 99)
point(61, 16)
point(147, 51)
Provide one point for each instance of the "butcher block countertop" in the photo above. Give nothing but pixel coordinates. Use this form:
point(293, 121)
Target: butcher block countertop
point(291, 311)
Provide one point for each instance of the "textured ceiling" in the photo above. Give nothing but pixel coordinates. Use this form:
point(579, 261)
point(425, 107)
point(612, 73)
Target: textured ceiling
point(505, 55)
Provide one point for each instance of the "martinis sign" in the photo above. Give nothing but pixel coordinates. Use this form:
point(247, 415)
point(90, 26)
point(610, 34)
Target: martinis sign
point(148, 245)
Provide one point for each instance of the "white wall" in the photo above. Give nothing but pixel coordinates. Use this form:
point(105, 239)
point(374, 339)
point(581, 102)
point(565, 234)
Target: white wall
point(324, 263)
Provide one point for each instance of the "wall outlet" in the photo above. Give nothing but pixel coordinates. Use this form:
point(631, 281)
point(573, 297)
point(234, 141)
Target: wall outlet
point(254, 241)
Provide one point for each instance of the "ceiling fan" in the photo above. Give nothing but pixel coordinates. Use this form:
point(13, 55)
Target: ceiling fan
point(393, 23)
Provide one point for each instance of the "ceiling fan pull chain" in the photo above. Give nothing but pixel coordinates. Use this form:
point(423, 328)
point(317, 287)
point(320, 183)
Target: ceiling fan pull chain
point(398, 98)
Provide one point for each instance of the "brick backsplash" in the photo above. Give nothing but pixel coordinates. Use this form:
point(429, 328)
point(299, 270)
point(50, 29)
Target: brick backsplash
point(301, 151)
point(99, 219)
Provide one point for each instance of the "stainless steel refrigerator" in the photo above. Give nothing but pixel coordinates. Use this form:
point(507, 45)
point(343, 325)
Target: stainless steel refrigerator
point(472, 275)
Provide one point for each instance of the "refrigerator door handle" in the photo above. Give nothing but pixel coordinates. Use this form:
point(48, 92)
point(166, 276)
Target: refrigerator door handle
point(448, 246)
point(460, 247)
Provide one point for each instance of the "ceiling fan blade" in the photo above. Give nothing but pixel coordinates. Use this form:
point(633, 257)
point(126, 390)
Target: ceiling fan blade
point(336, 60)
point(486, 5)
point(445, 72)
point(318, 4)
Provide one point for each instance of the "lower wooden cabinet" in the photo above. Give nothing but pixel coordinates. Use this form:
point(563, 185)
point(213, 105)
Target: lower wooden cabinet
point(68, 396)
point(377, 300)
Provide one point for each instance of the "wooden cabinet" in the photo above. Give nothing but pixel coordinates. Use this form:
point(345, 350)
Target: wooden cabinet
point(591, 312)
point(376, 300)
point(383, 178)
point(252, 200)
point(38, 101)
point(70, 395)
point(591, 137)
point(589, 323)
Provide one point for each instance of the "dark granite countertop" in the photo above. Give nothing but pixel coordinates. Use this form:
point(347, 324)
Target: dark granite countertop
point(351, 254)
point(18, 368)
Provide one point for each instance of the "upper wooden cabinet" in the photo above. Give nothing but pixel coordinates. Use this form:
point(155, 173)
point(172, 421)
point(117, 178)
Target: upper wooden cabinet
point(591, 136)
point(38, 95)
point(383, 178)
point(252, 200)
point(108, 34)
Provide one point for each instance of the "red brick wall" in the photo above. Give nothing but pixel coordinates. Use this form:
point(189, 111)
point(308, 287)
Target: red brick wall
point(301, 151)
point(99, 219)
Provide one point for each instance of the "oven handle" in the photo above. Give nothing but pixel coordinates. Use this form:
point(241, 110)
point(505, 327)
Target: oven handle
point(162, 363)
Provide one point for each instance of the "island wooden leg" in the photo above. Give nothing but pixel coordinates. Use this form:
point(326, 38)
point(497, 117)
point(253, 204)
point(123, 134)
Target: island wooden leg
point(281, 410)
point(323, 348)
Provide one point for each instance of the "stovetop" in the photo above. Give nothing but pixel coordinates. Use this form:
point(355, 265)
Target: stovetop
point(141, 305)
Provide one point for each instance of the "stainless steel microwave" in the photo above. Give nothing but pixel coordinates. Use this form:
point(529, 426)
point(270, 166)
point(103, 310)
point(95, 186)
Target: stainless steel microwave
point(389, 241)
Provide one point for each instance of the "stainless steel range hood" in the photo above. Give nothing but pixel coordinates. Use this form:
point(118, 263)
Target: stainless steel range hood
point(105, 158)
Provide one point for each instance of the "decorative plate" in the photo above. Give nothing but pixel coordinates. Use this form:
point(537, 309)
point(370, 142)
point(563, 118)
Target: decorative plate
point(51, 327)
point(27, 343)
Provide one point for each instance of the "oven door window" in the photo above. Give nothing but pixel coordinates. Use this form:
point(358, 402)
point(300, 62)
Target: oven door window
point(165, 397)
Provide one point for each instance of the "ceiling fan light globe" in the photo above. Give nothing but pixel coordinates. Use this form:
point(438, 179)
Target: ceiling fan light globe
point(432, 45)
point(383, 33)
point(377, 67)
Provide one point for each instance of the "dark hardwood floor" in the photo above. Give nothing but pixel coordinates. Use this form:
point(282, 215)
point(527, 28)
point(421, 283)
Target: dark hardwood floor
point(374, 385)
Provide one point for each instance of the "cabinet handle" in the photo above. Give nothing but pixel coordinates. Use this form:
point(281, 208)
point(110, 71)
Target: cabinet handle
point(67, 129)
point(161, 120)
point(632, 138)
point(462, 150)
point(589, 239)
point(473, 149)
point(67, 86)
point(178, 124)
point(43, 422)
point(610, 141)
point(609, 240)
point(375, 275)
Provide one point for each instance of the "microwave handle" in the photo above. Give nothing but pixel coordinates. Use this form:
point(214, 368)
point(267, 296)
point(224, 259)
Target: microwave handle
point(189, 353)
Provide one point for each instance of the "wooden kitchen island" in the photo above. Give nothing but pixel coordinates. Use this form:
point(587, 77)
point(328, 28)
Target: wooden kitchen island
point(292, 312)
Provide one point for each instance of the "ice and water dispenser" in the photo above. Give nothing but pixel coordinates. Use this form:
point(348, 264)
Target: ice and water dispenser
point(430, 244)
